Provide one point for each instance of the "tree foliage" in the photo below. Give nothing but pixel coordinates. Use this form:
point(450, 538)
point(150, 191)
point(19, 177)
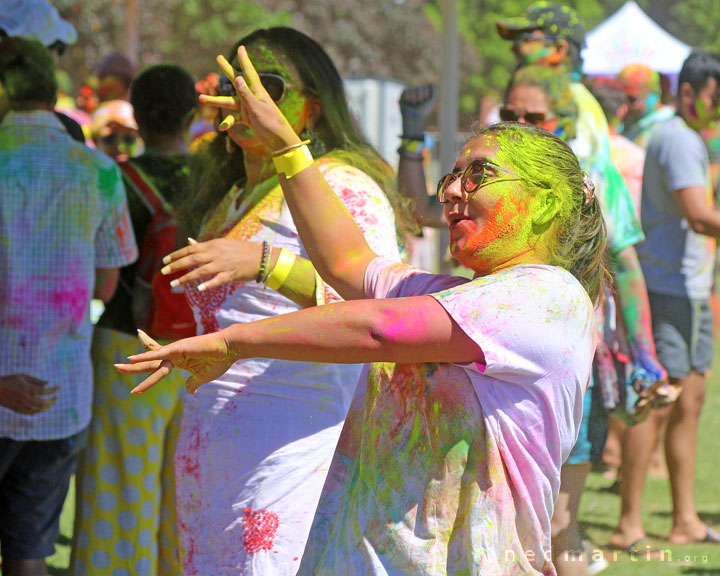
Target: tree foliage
point(394, 39)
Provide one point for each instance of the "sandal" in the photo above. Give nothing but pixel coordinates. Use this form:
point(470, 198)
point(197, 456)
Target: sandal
point(641, 547)
point(712, 536)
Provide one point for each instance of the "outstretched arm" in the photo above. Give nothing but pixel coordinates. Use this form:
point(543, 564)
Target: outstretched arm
point(333, 240)
point(402, 330)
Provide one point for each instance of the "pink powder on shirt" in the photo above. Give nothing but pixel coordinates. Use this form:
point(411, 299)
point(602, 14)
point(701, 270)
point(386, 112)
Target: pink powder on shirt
point(260, 529)
point(72, 300)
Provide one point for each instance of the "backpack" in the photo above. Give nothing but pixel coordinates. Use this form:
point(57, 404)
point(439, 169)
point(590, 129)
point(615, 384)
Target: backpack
point(160, 310)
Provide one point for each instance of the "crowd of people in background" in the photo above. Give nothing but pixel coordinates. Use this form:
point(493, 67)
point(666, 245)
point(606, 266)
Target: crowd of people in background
point(348, 412)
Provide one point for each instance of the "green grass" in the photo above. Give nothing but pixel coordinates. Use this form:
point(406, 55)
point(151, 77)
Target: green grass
point(599, 510)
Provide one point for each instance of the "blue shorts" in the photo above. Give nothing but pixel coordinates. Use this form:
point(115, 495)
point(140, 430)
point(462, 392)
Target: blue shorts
point(580, 453)
point(683, 331)
point(34, 480)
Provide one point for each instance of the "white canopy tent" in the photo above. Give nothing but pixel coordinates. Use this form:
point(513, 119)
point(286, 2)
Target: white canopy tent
point(631, 36)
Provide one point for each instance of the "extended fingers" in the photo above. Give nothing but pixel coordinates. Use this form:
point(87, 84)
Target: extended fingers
point(227, 123)
point(227, 102)
point(163, 370)
point(193, 275)
point(181, 253)
point(226, 68)
point(147, 342)
point(139, 367)
point(190, 259)
point(249, 73)
point(218, 280)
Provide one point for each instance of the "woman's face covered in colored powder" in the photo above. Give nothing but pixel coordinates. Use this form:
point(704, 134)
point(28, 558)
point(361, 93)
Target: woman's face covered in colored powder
point(492, 227)
point(293, 101)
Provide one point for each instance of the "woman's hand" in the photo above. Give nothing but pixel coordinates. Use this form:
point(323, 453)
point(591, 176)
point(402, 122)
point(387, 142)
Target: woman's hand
point(257, 110)
point(218, 262)
point(205, 357)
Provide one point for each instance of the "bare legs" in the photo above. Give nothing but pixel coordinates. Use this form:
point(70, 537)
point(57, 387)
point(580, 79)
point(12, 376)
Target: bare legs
point(567, 544)
point(680, 451)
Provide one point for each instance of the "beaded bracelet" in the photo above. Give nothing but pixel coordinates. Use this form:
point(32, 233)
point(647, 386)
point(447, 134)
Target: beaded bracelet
point(281, 270)
point(262, 271)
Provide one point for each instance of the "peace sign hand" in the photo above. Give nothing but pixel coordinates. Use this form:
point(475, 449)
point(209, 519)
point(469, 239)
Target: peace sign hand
point(257, 110)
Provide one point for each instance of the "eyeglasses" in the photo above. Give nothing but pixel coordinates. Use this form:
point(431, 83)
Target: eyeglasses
point(274, 85)
point(118, 138)
point(472, 178)
point(534, 118)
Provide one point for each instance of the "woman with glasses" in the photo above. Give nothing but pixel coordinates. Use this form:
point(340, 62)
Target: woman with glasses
point(449, 461)
point(256, 443)
point(542, 96)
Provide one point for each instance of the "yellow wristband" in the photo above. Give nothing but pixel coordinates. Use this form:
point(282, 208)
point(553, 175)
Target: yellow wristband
point(281, 270)
point(293, 162)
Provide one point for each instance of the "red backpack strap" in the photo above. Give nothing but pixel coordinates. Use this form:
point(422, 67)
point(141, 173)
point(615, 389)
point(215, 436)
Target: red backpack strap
point(143, 185)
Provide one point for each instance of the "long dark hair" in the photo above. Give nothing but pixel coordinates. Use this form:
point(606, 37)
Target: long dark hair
point(335, 134)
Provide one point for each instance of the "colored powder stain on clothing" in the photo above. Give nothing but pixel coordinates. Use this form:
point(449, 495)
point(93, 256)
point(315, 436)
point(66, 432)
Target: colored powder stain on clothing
point(260, 529)
point(444, 452)
point(107, 179)
point(73, 301)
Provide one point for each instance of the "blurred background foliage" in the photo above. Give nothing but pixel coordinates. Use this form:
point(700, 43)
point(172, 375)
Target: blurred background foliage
point(390, 39)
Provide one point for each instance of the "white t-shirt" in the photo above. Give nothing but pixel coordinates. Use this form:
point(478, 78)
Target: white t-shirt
point(446, 469)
